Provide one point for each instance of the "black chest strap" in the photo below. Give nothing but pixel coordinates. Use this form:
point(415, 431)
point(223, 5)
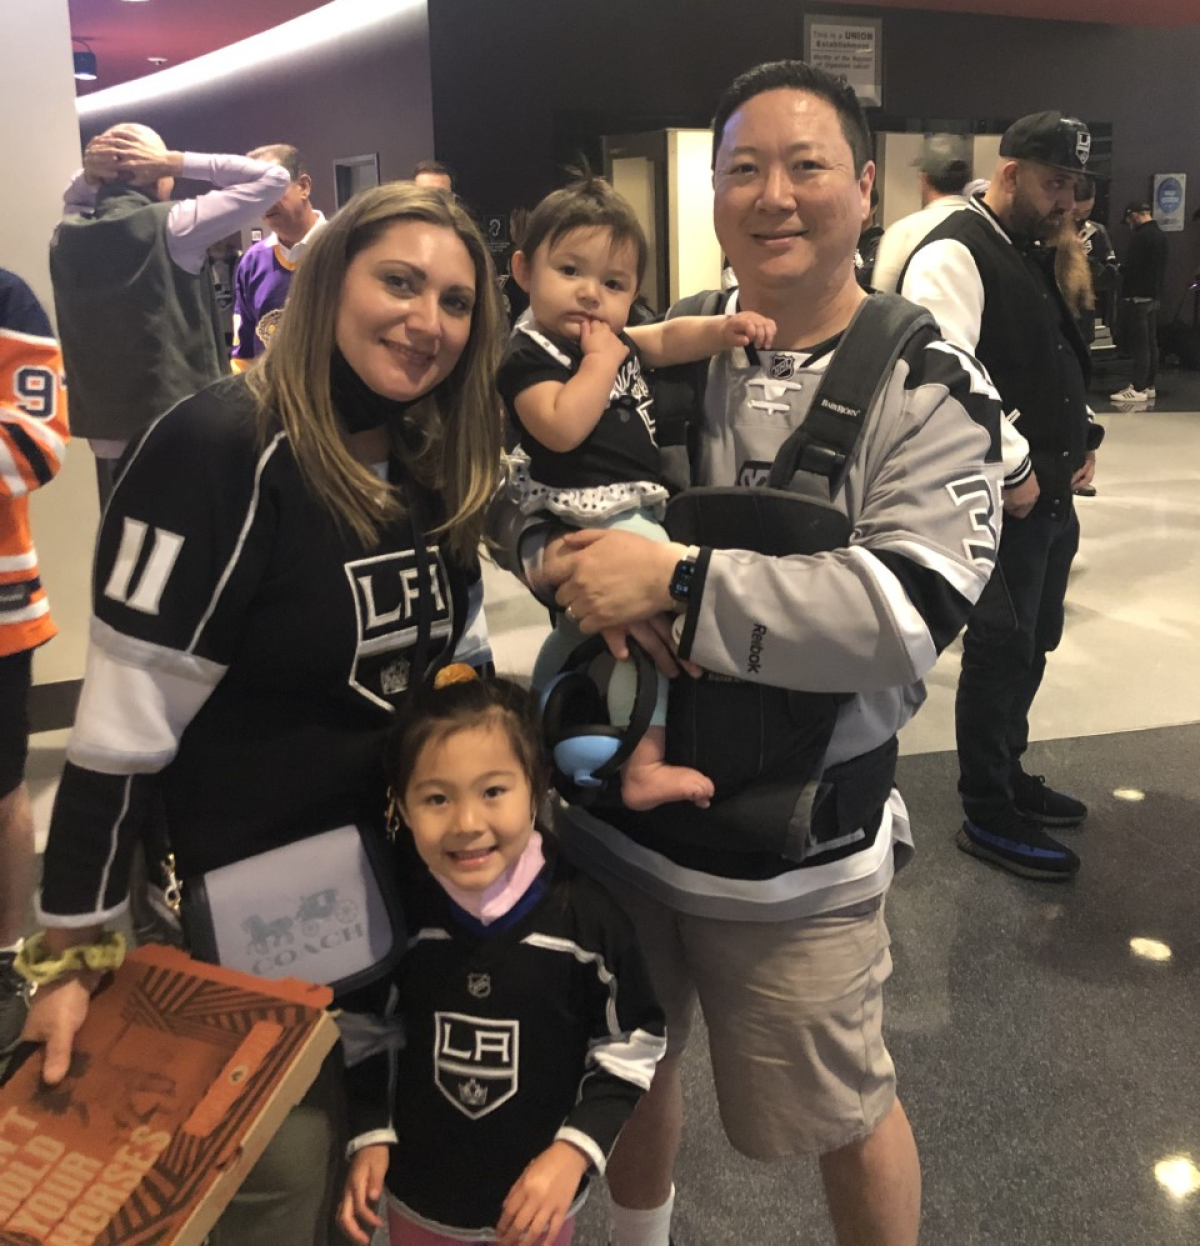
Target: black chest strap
point(861, 366)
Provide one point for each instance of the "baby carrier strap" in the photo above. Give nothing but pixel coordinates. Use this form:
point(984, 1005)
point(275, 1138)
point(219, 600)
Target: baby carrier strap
point(679, 397)
point(860, 368)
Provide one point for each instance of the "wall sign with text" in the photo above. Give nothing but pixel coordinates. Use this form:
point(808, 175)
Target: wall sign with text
point(1170, 192)
point(851, 49)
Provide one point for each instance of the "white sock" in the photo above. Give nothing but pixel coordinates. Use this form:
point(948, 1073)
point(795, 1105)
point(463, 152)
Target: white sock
point(633, 1227)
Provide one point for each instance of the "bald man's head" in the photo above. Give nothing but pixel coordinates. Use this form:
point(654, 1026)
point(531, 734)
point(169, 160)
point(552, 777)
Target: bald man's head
point(135, 130)
point(142, 156)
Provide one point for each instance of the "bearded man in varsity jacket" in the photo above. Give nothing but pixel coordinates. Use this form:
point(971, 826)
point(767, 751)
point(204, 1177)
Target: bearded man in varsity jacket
point(988, 278)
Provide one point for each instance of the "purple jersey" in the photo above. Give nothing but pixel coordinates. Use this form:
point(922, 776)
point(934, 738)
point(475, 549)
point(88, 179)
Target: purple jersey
point(260, 291)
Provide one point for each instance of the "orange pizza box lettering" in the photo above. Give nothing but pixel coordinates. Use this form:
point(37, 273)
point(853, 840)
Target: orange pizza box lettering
point(180, 1077)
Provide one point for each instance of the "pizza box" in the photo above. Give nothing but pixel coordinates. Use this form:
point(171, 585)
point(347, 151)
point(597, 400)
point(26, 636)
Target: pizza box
point(181, 1075)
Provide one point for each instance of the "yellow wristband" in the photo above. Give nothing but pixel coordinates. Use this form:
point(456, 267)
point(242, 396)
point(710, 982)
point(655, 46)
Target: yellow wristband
point(35, 964)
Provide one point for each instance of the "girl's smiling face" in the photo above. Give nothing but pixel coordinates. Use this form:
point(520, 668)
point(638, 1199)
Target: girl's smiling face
point(469, 805)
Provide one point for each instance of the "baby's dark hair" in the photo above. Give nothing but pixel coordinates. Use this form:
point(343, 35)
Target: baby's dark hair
point(589, 202)
point(433, 714)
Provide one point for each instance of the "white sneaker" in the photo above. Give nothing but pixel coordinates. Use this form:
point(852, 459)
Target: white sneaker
point(1151, 392)
point(1129, 394)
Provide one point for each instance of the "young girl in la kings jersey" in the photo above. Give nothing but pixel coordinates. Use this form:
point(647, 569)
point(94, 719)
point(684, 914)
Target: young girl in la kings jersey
point(573, 384)
point(531, 1029)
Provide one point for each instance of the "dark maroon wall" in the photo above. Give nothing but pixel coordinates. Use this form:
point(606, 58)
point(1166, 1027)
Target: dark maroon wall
point(519, 87)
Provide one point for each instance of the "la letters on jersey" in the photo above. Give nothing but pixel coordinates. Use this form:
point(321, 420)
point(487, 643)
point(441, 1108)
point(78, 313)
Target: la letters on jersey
point(476, 1061)
point(387, 592)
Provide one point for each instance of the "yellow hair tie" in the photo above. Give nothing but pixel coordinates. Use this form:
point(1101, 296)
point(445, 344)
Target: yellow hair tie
point(455, 673)
point(36, 965)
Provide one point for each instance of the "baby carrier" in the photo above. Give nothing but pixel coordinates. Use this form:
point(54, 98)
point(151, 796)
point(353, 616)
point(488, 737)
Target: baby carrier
point(763, 747)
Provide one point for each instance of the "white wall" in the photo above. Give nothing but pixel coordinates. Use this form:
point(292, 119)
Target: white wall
point(895, 176)
point(695, 252)
point(39, 145)
point(633, 177)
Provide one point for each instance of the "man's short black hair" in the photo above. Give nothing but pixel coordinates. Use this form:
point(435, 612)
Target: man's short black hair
point(433, 166)
point(796, 76)
point(283, 154)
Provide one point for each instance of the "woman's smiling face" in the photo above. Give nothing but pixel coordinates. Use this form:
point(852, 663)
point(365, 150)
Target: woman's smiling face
point(405, 312)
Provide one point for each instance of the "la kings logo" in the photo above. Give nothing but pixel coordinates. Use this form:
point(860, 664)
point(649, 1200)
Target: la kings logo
point(475, 1061)
point(386, 595)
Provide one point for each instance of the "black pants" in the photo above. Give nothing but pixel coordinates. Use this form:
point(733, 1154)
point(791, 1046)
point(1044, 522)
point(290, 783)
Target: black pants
point(1004, 656)
point(1141, 339)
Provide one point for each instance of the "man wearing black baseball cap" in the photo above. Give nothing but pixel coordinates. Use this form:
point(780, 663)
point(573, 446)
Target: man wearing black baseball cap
point(943, 170)
point(989, 280)
point(1142, 276)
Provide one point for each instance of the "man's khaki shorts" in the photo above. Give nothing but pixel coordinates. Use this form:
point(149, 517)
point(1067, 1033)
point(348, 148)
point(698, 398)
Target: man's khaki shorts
point(794, 1013)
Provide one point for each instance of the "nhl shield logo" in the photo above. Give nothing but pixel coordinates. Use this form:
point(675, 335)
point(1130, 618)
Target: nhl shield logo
point(475, 1061)
point(782, 367)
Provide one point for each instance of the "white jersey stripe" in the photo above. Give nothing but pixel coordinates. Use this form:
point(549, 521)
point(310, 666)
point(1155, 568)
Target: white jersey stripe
point(34, 610)
point(905, 616)
point(251, 512)
point(114, 841)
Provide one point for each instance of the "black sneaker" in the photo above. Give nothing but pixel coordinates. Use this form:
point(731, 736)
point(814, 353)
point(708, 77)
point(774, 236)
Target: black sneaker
point(1041, 804)
point(14, 1003)
point(1011, 843)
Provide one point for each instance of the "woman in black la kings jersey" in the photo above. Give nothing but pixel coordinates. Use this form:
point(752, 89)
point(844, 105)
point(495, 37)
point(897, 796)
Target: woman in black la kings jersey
point(286, 555)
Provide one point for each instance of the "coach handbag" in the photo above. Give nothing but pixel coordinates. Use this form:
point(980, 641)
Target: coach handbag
point(323, 909)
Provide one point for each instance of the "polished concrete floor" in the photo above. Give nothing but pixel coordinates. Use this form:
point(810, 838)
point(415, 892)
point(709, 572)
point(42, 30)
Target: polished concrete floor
point(1047, 1038)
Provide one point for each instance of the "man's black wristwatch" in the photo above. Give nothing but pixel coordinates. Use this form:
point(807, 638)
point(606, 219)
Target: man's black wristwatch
point(682, 578)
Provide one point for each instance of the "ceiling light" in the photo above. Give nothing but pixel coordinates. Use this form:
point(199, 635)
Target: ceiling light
point(85, 62)
point(1178, 1176)
point(1129, 793)
point(154, 60)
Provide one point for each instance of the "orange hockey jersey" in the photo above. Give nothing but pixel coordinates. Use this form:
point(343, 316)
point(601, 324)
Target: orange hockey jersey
point(33, 437)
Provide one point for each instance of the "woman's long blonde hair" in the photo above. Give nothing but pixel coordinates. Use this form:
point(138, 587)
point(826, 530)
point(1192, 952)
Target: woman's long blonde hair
point(458, 423)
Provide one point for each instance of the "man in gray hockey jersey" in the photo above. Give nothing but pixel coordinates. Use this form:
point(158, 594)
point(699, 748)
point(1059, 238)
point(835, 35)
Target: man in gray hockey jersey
point(788, 953)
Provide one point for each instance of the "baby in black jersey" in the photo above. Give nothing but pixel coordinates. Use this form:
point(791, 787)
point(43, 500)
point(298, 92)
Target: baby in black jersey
point(573, 384)
point(531, 1029)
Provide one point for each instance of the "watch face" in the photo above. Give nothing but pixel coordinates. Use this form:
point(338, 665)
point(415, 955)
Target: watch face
point(681, 580)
